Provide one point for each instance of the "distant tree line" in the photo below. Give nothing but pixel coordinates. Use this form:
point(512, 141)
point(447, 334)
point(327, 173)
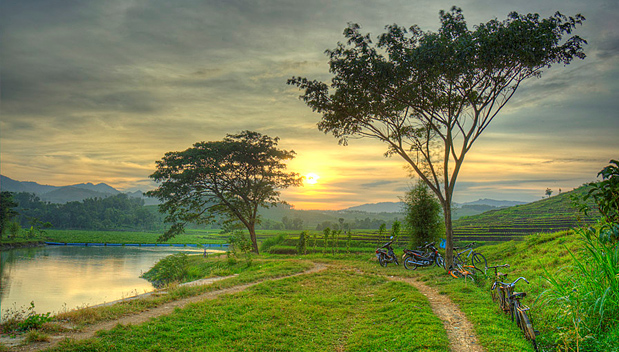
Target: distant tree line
point(111, 213)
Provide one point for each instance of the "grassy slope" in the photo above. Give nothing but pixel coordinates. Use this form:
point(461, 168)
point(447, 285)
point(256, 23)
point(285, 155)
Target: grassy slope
point(547, 215)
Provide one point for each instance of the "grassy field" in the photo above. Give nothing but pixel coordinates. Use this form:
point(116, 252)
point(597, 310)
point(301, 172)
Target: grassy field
point(353, 307)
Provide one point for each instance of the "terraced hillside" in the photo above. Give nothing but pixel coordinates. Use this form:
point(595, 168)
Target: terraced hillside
point(547, 215)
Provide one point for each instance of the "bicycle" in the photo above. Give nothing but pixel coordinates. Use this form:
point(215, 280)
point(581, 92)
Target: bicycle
point(496, 291)
point(476, 260)
point(518, 311)
point(459, 272)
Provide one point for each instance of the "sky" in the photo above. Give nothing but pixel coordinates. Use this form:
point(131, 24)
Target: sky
point(97, 91)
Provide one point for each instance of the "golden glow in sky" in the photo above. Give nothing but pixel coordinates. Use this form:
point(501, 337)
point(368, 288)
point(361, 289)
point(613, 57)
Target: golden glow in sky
point(311, 179)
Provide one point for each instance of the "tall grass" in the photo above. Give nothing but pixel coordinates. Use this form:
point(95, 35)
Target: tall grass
point(588, 299)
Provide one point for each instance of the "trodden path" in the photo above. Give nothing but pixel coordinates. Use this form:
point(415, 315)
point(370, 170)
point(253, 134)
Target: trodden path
point(167, 308)
point(459, 329)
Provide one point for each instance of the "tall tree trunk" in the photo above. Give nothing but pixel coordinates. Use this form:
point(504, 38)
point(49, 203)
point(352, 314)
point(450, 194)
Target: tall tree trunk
point(449, 235)
point(252, 237)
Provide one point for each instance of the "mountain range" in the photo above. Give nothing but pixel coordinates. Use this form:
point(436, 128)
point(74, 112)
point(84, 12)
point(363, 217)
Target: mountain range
point(81, 191)
point(64, 194)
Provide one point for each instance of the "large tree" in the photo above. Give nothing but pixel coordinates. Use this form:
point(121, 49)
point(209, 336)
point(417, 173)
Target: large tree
point(430, 95)
point(232, 178)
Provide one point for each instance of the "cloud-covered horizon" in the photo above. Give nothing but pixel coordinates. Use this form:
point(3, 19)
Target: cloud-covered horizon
point(97, 91)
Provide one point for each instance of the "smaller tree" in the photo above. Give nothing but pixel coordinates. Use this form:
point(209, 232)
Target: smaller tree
point(382, 230)
point(302, 244)
point(423, 214)
point(396, 227)
point(232, 178)
point(7, 211)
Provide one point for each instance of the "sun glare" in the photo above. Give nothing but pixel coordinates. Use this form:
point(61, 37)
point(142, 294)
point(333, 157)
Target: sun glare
point(311, 179)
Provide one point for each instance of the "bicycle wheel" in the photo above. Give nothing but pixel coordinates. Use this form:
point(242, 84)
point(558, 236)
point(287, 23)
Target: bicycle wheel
point(455, 273)
point(469, 276)
point(525, 324)
point(409, 263)
point(493, 292)
point(439, 261)
point(479, 262)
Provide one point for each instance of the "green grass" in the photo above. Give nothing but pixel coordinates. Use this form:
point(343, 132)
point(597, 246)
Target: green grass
point(125, 237)
point(332, 310)
point(259, 270)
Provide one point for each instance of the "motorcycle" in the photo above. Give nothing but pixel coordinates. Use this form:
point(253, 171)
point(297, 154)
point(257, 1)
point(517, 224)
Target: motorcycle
point(386, 255)
point(423, 256)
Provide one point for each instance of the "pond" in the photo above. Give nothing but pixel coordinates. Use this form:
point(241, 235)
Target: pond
point(59, 278)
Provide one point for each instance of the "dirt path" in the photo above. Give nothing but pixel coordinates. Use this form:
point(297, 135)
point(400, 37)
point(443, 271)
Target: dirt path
point(459, 330)
point(167, 308)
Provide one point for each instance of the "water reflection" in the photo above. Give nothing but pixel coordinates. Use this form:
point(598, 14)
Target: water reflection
point(65, 277)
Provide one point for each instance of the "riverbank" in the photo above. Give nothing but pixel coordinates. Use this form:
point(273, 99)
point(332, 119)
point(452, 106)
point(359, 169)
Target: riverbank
point(25, 244)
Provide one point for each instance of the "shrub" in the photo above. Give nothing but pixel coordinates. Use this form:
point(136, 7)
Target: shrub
point(272, 241)
point(173, 268)
point(302, 245)
point(24, 319)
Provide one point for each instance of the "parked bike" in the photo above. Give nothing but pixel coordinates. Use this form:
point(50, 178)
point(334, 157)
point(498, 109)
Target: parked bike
point(426, 255)
point(386, 255)
point(518, 311)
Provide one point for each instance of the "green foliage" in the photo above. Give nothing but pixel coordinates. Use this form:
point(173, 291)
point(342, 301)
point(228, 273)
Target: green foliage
point(115, 212)
point(272, 241)
point(173, 268)
point(348, 240)
point(423, 215)
point(23, 319)
point(326, 233)
point(382, 230)
point(7, 210)
point(232, 178)
point(588, 299)
point(240, 242)
point(302, 244)
point(606, 196)
point(606, 192)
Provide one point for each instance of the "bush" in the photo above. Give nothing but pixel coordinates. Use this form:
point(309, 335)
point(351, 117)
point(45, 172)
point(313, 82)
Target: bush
point(173, 268)
point(302, 244)
point(272, 241)
point(24, 319)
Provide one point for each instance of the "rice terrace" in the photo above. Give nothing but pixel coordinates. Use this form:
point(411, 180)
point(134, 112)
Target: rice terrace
point(281, 185)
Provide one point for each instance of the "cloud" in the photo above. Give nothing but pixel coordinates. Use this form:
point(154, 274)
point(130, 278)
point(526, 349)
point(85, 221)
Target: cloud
point(377, 184)
point(97, 91)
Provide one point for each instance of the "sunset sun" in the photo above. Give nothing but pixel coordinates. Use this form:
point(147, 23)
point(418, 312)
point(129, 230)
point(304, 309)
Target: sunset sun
point(311, 179)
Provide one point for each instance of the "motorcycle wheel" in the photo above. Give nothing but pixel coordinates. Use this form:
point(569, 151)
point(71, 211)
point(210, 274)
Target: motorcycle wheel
point(382, 260)
point(409, 264)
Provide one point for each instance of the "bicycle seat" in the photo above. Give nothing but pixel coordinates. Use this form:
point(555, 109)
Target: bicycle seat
point(499, 274)
point(518, 295)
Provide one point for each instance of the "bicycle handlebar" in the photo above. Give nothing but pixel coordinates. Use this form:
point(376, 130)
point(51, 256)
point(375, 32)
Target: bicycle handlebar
point(499, 266)
point(467, 246)
point(513, 283)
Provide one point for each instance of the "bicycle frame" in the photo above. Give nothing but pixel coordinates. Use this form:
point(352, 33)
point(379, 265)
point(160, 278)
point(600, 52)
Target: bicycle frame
point(518, 311)
point(477, 259)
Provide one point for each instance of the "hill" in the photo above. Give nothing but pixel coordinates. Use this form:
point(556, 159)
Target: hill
point(468, 208)
point(547, 215)
point(65, 194)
